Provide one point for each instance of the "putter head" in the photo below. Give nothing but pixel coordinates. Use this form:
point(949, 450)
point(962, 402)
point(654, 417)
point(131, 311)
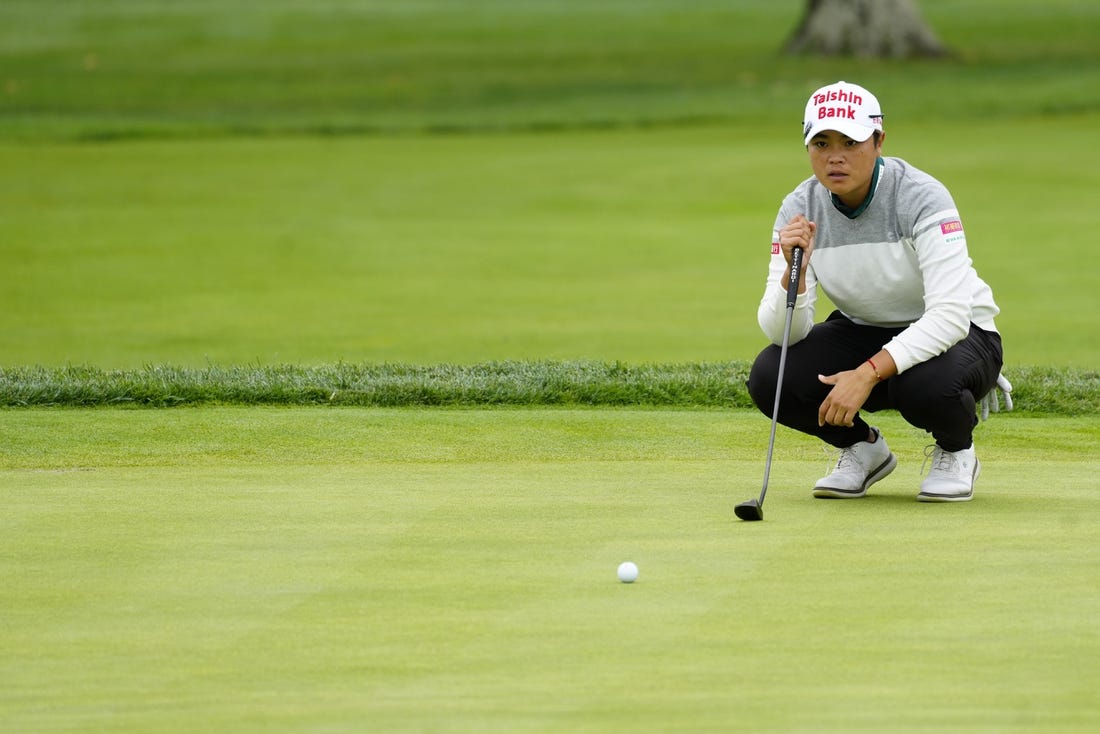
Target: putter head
point(750, 510)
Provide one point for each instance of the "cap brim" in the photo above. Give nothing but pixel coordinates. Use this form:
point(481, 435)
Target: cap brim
point(853, 130)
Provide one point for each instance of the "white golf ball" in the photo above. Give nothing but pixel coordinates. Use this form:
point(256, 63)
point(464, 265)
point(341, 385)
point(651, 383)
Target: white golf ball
point(628, 572)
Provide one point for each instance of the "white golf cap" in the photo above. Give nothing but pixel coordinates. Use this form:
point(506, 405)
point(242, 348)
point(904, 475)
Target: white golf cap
point(847, 108)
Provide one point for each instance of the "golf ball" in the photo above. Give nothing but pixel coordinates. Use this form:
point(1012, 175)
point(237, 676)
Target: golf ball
point(628, 572)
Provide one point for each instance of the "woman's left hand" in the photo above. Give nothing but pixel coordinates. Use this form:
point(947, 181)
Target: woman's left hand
point(850, 391)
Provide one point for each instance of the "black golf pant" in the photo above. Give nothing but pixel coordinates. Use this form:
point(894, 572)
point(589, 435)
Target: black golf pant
point(939, 395)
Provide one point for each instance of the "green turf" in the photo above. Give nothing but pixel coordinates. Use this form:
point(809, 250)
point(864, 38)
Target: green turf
point(185, 189)
point(454, 571)
point(1037, 391)
point(629, 242)
point(123, 68)
point(630, 245)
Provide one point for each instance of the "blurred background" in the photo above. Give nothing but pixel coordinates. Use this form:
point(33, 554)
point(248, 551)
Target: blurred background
point(191, 182)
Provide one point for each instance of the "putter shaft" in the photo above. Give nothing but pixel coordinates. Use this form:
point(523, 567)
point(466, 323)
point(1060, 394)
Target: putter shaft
point(792, 296)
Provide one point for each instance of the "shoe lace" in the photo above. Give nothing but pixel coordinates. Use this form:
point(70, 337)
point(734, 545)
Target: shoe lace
point(942, 461)
point(845, 459)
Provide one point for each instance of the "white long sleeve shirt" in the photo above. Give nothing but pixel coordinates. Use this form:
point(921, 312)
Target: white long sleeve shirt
point(898, 261)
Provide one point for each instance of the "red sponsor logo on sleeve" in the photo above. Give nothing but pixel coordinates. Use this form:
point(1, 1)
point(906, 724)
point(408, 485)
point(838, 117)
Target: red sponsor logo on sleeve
point(953, 226)
point(775, 248)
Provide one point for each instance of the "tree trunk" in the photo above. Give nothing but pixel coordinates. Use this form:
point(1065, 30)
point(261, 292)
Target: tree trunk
point(866, 28)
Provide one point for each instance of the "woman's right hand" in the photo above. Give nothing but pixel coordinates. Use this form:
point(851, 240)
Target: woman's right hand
point(799, 232)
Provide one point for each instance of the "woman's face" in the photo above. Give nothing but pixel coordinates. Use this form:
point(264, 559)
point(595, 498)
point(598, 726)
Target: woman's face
point(844, 166)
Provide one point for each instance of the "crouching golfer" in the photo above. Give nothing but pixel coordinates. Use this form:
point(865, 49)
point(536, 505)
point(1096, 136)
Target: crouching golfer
point(913, 327)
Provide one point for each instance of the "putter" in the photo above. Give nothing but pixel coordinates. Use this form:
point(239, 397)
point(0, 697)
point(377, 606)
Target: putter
point(754, 509)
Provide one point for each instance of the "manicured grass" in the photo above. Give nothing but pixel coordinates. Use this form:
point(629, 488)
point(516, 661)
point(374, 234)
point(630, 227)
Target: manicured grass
point(640, 246)
point(132, 68)
point(417, 250)
point(454, 571)
point(629, 241)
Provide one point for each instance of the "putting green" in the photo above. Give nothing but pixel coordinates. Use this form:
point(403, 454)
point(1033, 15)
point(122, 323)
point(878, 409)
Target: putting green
point(248, 569)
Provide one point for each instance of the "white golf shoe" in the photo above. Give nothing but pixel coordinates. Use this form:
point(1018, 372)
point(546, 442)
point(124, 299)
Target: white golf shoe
point(858, 467)
point(952, 476)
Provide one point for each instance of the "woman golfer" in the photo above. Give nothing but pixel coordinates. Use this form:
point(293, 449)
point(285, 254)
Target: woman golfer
point(913, 327)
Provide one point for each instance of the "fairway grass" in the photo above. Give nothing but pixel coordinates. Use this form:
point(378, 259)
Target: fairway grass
point(312, 569)
point(631, 245)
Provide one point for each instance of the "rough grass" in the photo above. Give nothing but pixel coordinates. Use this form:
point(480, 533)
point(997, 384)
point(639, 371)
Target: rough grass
point(1042, 390)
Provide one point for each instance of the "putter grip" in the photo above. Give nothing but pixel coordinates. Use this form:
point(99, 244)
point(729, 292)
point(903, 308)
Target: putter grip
point(796, 269)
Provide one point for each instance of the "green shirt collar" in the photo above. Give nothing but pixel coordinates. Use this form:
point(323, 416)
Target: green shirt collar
point(853, 213)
